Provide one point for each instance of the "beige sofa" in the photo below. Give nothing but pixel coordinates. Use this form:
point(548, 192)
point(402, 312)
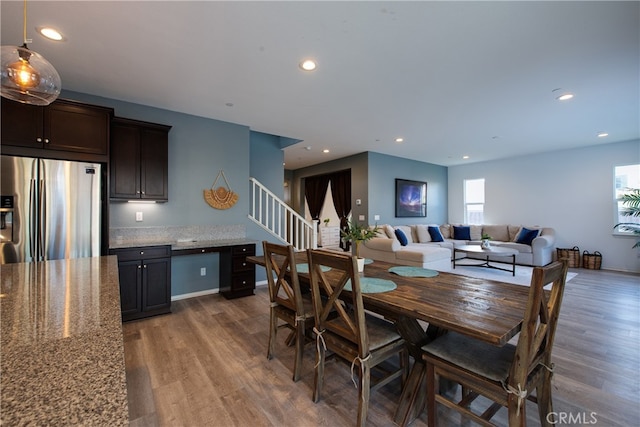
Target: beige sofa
point(421, 250)
point(386, 247)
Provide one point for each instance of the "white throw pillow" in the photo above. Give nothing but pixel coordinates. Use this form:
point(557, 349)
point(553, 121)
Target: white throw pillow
point(422, 233)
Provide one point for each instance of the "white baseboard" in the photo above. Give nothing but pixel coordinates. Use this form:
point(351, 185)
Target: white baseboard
point(207, 292)
point(195, 294)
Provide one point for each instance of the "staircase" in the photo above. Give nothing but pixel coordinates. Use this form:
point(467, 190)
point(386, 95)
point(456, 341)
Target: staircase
point(277, 218)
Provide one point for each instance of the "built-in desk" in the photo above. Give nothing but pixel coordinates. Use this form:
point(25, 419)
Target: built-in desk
point(61, 338)
point(237, 275)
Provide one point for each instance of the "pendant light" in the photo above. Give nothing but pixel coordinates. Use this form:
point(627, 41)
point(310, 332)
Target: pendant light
point(26, 76)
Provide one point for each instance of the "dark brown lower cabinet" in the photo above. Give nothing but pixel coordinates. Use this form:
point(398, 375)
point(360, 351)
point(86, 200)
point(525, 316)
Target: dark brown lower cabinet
point(237, 275)
point(145, 281)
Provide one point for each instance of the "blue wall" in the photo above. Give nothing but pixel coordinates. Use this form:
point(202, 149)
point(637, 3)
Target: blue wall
point(383, 171)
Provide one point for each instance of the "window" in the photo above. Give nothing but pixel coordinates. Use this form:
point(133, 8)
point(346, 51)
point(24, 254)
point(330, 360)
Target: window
point(474, 201)
point(626, 177)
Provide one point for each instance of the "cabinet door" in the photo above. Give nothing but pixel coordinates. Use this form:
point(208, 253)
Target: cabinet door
point(125, 162)
point(22, 124)
point(130, 275)
point(79, 128)
point(156, 287)
point(154, 145)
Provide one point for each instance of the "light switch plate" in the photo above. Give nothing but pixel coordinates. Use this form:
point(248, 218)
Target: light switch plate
point(376, 217)
point(138, 216)
point(361, 217)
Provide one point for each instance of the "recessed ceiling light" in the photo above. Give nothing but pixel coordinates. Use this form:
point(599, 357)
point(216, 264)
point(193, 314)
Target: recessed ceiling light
point(565, 97)
point(326, 150)
point(561, 94)
point(399, 140)
point(308, 65)
point(602, 134)
point(465, 157)
point(51, 33)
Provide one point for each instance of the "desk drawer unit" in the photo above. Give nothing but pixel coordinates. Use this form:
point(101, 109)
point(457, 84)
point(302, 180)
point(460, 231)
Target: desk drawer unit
point(237, 275)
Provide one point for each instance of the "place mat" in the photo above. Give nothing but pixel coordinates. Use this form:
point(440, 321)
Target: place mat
point(372, 285)
point(413, 271)
point(303, 267)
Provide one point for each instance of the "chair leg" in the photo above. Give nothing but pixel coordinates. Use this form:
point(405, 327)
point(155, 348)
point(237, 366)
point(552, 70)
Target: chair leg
point(273, 330)
point(297, 364)
point(517, 418)
point(364, 392)
point(432, 386)
point(319, 372)
point(545, 403)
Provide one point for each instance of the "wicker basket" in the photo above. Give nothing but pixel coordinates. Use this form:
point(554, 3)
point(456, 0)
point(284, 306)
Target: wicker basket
point(591, 261)
point(572, 254)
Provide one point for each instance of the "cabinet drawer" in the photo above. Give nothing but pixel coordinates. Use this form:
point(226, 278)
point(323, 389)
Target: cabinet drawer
point(194, 251)
point(243, 281)
point(241, 264)
point(244, 250)
point(146, 252)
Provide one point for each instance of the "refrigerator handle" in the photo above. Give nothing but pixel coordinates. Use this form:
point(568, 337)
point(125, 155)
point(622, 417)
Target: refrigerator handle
point(42, 216)
point(33, 214)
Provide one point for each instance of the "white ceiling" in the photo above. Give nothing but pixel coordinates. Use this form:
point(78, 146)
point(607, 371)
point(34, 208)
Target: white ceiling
point(451, 78)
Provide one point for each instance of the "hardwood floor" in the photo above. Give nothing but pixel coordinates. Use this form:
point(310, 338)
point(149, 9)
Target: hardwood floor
point(205, 365)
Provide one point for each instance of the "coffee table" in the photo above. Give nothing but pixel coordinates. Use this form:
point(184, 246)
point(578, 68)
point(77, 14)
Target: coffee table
point(495, 251)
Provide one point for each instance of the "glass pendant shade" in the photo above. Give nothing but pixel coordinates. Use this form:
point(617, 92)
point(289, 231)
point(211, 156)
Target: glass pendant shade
point(27, 77)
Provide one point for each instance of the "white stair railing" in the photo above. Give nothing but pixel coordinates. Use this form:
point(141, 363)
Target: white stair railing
point(275, 216)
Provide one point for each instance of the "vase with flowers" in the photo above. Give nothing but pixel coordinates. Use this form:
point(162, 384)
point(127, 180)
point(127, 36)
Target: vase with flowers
point(358, 233)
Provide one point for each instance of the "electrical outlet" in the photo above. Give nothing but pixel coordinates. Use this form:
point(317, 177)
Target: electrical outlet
point(203, 271)
point(360, 217)
point(376, 217)
point(138, 216)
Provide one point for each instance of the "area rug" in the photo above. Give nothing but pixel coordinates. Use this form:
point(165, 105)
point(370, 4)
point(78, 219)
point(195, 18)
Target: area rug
point(522, 277)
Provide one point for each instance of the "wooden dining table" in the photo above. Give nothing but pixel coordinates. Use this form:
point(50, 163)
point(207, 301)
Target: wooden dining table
point(486, 310)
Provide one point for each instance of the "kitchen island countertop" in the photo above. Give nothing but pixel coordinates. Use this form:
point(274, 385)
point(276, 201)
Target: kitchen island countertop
point(61, 343)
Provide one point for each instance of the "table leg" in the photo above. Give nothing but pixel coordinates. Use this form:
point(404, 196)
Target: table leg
point(412, 400)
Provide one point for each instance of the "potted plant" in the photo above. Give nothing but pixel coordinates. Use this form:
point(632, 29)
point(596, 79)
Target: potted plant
point(358, 233)
point(632, 201)
point(485, 241)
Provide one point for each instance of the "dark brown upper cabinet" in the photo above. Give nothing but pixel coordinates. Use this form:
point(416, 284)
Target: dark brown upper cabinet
point(63, 129)
point(139, 160)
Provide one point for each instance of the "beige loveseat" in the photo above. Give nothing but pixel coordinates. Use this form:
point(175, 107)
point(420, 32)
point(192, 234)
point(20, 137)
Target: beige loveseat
point(422, 250)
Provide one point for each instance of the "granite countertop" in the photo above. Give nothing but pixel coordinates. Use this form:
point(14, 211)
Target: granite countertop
point(61, 342)
point(177, 245)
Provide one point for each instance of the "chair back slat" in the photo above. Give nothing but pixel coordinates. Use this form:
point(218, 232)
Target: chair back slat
point(282, 276)
point(327, 289)
point(540, 321)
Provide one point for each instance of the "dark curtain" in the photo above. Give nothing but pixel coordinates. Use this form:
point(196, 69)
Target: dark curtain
point(315, 188)
point(341, 192)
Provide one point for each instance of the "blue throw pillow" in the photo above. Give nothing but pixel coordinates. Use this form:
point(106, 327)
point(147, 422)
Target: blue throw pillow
point(401, 237)
point(462, 233)
point(526, 236)
point(435, 234)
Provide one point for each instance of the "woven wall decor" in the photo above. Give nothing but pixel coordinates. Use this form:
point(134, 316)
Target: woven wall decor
point(221, 197)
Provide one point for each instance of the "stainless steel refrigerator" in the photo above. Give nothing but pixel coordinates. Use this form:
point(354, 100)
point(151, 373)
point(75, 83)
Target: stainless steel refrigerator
point(51, 209)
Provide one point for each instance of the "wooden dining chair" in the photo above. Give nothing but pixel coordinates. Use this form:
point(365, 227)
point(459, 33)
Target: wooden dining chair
point(342, 327)
point(506, 375)
point(287, 302)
